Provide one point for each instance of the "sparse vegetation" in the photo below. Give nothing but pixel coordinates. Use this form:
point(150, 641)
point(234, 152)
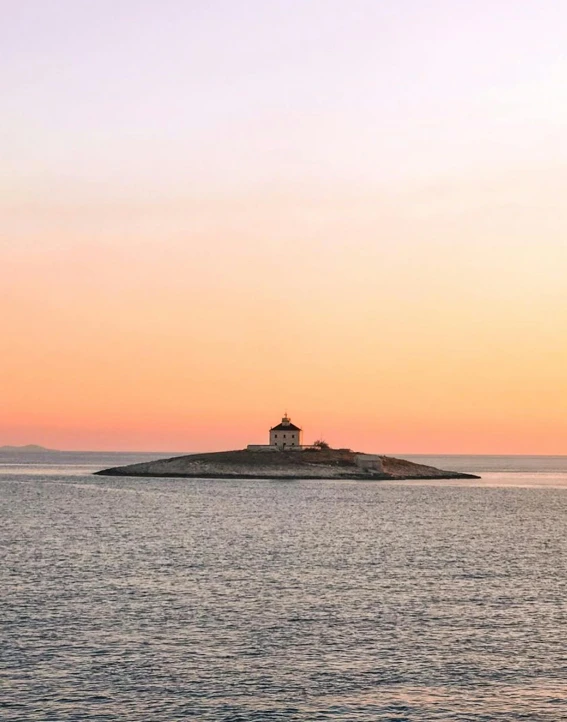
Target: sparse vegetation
point(321, 444)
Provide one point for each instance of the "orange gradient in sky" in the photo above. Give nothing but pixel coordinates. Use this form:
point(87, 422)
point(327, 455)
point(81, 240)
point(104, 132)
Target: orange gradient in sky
point(386, 323)
point(212, 213)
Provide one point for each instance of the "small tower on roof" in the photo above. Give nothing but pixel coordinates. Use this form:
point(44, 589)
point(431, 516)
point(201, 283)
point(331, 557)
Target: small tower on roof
point(285, 435)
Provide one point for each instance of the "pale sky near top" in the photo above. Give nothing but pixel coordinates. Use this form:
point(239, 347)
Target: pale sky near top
point(143, 96)
point(369, 193)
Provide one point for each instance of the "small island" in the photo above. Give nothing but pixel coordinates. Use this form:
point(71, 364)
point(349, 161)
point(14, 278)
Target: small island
point(27, 449)
point(285, 457)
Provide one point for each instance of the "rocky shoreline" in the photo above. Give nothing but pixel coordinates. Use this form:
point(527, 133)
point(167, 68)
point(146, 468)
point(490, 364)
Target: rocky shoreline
point(292, 465)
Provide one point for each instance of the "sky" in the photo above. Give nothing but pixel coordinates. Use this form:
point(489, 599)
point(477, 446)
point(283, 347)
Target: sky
point(213, 212)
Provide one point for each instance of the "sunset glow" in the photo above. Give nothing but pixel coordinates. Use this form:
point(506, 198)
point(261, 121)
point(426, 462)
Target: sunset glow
point(216, 212)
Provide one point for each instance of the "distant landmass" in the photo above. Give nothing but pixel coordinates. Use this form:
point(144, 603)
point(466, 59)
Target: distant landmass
point(27, 448)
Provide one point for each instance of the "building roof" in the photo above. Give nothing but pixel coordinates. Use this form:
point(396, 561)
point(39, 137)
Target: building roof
point(285, 427)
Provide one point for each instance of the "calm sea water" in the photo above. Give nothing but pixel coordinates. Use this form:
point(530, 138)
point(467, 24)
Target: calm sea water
point(161, 600)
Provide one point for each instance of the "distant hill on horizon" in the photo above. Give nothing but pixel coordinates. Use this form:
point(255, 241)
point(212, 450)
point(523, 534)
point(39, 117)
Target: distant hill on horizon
point(26, 447)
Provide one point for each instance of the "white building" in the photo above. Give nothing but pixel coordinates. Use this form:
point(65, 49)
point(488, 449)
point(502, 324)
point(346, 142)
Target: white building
point(285, 435)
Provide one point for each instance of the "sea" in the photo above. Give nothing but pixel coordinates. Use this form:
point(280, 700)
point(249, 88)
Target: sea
point(157, 600)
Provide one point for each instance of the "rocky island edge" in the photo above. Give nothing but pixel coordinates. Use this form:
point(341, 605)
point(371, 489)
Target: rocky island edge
point(301, 464)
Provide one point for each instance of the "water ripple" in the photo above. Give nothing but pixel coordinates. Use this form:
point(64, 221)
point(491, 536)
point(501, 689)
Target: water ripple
point(252, 600)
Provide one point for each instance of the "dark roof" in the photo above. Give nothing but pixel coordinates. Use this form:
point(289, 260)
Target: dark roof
point(285, 427)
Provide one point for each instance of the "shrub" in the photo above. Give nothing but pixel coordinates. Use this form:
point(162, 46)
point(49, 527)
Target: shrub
point(321, 444)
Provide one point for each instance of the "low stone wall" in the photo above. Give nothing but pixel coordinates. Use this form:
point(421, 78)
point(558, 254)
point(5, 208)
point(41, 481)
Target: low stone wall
point(369, 462)
point(268, 447)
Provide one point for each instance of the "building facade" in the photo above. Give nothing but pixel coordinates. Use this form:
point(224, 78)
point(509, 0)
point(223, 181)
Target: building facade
point(286, 435)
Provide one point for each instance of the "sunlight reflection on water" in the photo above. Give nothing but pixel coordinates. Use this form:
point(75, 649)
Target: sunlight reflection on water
point(256, 600)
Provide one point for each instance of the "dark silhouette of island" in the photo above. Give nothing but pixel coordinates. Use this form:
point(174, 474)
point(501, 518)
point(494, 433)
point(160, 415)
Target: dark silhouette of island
point(28, 448)
point(307, 463)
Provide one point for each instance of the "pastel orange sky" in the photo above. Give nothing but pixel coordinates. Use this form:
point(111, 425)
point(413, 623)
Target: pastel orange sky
point(216, 212)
